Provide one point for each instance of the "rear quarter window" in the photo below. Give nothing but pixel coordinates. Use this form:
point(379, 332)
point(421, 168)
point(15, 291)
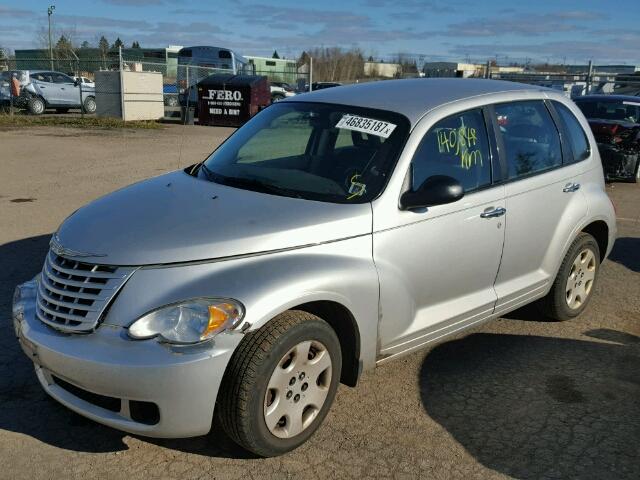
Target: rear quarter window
point(580, 149)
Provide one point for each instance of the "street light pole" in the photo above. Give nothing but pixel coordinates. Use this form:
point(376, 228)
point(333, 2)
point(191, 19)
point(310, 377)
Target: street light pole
point(49, 13)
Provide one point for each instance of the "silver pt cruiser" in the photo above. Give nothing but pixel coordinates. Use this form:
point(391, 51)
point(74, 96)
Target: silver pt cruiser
point(335, 231)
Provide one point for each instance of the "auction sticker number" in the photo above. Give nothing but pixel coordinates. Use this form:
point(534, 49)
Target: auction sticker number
point(366, 125)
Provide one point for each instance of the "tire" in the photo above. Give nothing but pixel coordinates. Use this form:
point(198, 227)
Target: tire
point(636, 177)
point(171, 101)
point(269, 368)
point(89, 105)
point(62, 110)
point(276, 97)
point(36, 106)
point(570, 296)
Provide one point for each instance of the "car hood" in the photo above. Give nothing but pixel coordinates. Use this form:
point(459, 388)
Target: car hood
point(179, 218)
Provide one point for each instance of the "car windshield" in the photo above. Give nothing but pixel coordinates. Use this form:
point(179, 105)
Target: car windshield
point(621, 110)
point(325, 152)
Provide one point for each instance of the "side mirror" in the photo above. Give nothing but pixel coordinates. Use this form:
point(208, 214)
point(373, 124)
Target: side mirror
point(76, 82)
point(435, 190)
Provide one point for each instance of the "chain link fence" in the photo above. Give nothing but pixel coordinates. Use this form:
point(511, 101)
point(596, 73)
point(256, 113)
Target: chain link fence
point(573, 85)
point(178, 82)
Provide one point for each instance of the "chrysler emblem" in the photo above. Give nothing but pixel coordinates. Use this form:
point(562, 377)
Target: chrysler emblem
point(58, 249)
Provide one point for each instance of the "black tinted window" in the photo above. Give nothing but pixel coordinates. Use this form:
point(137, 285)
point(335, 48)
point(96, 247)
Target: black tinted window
point(530, 137)
point(458, 147)
point(605, 109)
point(577, 137)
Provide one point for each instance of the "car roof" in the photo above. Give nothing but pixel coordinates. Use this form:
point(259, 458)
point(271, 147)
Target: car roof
point(618, 98)
point(412, 97)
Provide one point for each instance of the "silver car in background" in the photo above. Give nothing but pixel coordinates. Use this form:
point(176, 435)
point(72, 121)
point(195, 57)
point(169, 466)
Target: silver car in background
point(335, 231)
point(55, 90)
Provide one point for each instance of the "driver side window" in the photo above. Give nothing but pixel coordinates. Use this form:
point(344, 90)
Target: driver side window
point(458, 147)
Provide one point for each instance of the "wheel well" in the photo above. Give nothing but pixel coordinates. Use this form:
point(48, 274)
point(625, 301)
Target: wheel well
point(343, 323)
point(600, 231)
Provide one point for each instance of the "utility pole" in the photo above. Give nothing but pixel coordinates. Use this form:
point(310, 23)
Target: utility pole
point(49, 13)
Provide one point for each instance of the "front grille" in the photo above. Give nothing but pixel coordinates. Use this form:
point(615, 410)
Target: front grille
point(72, 295)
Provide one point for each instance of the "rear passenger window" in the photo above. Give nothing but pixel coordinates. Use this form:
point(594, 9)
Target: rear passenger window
point(530, 138)
point(458, 147)
point(577, 138)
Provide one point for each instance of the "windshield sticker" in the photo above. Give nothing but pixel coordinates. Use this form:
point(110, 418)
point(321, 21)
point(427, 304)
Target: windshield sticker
point(366, 125)
point(461, 142)
point(637, 104)
point(356, 189)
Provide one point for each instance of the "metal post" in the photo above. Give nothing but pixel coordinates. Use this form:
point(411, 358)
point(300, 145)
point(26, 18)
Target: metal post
point(487, 73)
point(11, 94)
point(49, 13)
point(121, 72)
point(589, 77)
point(310, 73)
point(81, 102)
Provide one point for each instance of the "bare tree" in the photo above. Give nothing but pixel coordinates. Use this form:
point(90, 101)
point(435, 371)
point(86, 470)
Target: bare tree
point(337, 64)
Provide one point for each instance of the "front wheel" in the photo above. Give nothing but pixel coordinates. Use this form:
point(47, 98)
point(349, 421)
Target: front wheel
point(575, 283)
point(36, 106)
point(280, 384)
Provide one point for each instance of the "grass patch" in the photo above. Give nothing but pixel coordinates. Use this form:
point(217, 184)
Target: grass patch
point(21, 120)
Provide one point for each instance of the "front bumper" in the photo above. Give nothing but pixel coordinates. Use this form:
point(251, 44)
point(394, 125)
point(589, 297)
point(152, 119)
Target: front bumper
point(182, 382)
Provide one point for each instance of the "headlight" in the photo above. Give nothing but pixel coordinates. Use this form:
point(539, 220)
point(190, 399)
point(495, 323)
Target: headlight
point(191, 321)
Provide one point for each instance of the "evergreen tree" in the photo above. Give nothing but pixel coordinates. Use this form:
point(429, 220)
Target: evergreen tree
point(85, 44)
point(135, 45)
point(275, 54)
point(103, 46)
point(63, 44)
point(117, 44)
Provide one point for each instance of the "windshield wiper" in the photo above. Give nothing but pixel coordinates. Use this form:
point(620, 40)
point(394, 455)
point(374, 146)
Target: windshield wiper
point(254, 184)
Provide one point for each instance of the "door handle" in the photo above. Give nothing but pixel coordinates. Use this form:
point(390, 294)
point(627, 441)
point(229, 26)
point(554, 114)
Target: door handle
point(571, 187)
point(493, 212)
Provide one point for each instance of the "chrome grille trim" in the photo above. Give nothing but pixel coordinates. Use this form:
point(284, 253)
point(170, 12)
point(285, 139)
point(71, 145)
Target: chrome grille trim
point(72, 295)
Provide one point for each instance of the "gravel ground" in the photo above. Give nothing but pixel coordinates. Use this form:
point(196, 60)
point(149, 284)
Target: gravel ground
point(515, 398)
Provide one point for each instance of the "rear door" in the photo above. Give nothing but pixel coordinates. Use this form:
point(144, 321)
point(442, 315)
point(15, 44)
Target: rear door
point(49, 90)
point(543, 200)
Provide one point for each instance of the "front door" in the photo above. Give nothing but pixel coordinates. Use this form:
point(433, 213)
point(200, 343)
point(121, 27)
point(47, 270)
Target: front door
point(69, 93)
point(438, 266)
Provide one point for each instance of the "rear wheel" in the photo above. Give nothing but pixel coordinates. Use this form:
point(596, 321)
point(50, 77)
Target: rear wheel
point(89, 105)
point(36, 106)
point(576, 280)
point(276, 97)
point(280, 384)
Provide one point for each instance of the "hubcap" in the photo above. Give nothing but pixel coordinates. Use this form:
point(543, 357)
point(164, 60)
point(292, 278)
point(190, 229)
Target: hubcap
point(38, 107)
point(297, 389)
point(580, 280)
